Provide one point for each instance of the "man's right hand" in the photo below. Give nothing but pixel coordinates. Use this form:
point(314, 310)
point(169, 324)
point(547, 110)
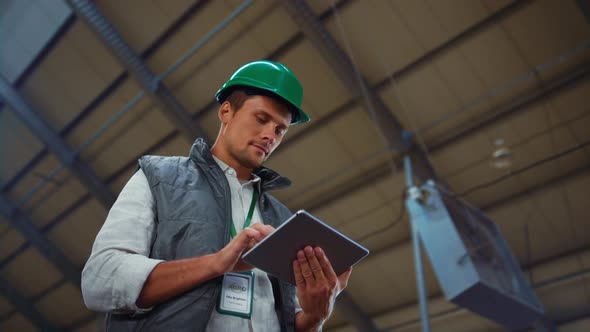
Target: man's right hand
point(169, 279)
point(228, 259)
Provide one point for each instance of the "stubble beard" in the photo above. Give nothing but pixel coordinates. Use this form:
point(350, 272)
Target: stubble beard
point(244, 158)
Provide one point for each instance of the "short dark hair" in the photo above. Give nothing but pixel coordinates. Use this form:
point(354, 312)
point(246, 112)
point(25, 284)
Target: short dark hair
point(238, 96)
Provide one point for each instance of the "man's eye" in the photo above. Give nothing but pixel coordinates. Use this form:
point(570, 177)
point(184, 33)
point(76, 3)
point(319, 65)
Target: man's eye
point(260, 120)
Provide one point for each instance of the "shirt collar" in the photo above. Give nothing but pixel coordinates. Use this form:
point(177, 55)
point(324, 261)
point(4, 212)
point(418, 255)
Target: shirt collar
point(229, 171)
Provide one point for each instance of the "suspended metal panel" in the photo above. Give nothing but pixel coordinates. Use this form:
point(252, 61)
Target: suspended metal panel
point(471, 259)
point(151, 84)
point(24, 306)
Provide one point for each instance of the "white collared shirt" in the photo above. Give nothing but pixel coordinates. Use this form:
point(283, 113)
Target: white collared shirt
point(264, 317)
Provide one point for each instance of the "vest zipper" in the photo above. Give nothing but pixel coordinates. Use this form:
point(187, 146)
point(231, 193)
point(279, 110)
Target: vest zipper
point(226, 236)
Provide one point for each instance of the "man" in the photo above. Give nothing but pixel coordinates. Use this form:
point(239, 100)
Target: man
point(172, 242)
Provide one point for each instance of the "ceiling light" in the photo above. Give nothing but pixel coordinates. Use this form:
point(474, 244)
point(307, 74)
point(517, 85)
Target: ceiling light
point(502, 155)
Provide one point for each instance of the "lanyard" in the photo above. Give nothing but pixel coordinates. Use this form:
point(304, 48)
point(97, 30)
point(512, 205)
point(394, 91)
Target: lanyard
point(249, 217)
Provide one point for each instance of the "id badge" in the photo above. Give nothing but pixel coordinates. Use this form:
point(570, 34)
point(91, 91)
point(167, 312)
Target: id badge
point(237, 294)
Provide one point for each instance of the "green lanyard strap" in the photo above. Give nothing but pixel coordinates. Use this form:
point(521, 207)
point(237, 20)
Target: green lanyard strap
point(249, 217)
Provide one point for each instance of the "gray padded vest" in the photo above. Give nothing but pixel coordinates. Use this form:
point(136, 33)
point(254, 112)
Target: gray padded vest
point(193, 206)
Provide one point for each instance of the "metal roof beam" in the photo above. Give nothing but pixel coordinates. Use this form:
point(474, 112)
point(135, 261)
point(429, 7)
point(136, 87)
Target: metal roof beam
point(150, 83)
point(24, 306)
point(40, 128)
point(23, 224)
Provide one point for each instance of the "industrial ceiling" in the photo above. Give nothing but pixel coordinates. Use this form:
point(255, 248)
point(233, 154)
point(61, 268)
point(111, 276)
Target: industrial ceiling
point(88, 87)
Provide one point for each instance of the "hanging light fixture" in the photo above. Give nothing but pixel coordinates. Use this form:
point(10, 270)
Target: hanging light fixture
point(502, 155)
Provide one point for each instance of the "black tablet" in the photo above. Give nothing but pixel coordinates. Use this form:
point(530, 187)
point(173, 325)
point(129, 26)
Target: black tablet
point(276, 253)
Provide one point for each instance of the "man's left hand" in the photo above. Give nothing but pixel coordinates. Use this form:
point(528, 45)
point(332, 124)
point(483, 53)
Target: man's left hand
point(317, 286)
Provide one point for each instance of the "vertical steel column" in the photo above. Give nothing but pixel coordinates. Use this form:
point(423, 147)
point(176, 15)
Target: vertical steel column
point(413, 193)
point(151, 84)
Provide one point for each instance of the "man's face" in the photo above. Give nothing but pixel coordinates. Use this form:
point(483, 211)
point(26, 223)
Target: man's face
point(253, 132)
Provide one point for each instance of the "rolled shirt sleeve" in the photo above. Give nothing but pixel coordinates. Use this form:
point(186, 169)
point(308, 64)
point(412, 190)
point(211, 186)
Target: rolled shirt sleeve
point(119, 264)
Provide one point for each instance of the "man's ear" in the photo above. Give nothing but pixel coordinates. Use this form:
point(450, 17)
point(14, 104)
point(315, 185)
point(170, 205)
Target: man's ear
point(225, 112)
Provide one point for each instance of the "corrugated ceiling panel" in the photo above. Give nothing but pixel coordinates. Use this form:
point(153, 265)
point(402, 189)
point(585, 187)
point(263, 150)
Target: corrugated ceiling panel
point(63, 84)
point(31, 179)
point(404, 314)
point(456, 18)
point(275, 29)
point(572, 101)
point(102, 114)
point(90, 327)
point(17, 144)
point(196, 82)
point(495, 4)
point(314, 147)
point(423, 21)
point(568, 300)
point(75, 234)
point(4, 227)
point(424, 97)
point(5, 306)
point(64, 305)
point(344, 210)
point(59, 199)
point(175, 147)
point(81, 39)
point(496, 62)
point(394, 285)
point(192, 32)
point(577, 325)
point(199, 90)
point(565, 265)
point(31, 273)
point(323, 92)
point(17, 322)
point(173, 8)
point(9, 242)
point(379, 228)
point(545, 234)
point(359, 37)
point(119, 182)
point(546, 29)
point(141, 129)
point(319, 7)
point(453, 158)
point(357, 133)
point(139, 22)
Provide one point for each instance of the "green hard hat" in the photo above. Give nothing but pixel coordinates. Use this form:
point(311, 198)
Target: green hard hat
point(269, 76)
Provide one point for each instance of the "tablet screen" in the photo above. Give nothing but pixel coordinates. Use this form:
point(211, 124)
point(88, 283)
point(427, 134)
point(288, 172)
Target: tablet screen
point(276, 252)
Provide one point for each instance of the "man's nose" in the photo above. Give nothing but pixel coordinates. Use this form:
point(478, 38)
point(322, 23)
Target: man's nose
point(269, 134)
